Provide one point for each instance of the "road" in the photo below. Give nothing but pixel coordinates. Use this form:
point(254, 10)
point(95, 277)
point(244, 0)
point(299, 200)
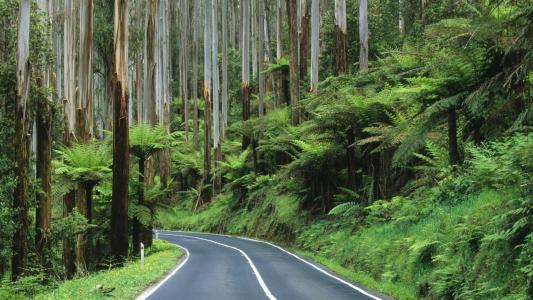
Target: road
point(230, 268)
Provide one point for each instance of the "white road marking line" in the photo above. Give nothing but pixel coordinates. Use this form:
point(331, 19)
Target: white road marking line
point(254, 269)
point(151, 290)
point(317, 268)
point(301, 259)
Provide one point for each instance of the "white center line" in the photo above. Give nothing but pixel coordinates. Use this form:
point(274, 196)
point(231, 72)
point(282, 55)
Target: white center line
point(250, 262)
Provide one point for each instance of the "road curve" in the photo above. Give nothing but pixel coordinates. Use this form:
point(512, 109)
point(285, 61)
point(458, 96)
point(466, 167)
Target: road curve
point(231, 268)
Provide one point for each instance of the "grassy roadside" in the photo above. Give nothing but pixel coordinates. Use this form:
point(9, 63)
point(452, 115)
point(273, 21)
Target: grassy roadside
point(128, 281)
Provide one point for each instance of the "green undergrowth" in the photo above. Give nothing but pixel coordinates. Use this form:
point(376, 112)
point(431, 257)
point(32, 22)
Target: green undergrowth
point(469, 236)
point(125, 282)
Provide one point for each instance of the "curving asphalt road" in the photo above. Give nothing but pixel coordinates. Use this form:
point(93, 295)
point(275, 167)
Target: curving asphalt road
point(230, 268)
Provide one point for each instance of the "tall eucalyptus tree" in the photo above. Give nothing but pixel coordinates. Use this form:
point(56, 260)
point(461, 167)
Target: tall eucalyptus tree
point(363, 35)
point(315, 43)
point(119, 204)
point(22, 144)
point(224, 90)
point(84, 117)
point(294, 65)
point(197, 6)
point(68, 76)
point(245, 66)
point(341, 35)
point(259, 25)
point(216, 102)
point(304, 38)
point(43, 116)
point(206, 195)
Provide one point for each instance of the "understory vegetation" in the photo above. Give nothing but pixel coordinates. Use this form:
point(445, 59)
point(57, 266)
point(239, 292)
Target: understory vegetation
point(125, 282)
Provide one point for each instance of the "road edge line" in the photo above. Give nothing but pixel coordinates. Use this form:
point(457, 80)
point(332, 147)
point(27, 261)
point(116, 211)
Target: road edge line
point(148, 292)
point(362, 291)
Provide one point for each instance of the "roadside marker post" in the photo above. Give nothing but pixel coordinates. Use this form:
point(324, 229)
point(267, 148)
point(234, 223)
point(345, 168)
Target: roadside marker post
point(156, 235)
point(142, 255)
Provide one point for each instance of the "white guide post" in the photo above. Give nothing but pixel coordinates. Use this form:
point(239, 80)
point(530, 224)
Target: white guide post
point(142, 255)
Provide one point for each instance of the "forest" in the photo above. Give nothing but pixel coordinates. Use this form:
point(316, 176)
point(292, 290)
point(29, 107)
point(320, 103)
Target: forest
point(389, 140)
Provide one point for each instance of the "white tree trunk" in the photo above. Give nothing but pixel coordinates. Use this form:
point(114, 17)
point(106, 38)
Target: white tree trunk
point(214, 54)
point(69, 82)
point(224, 68)
point(85, 74)
point(363, 35)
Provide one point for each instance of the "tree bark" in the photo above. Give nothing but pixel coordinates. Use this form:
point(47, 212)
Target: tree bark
point(136, 226)
point(304, 39)
point(119, 205)
point(44, 113)
point(363, 35)
point(22, 144)
point(260, 19)
point(294, 66)
point(195, 49)
point(453, 150)
point(315, 43)
point(225, 104)
point(206, 195)
point(340, 33)
point(245, 84)
point(350, 157)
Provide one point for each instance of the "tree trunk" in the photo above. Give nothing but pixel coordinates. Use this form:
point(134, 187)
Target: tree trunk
point(225, 104)
point(245, 85)
point(340, 33)
point(136, 226)
point(453, 150)
point(22, 144)
point(216, 102)
point(401, 20)
point(206, 195)
point(196, 42)
point(304, 39)
point(294, 66)
point(69, 87)
point(43, 115)
point(119, 205)
point(280, 99)
point(315, 43)
point(260, 19)
point(350, 157)
point(363, 35)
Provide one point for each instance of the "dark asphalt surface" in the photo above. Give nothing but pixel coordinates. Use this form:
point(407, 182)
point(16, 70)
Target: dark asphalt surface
point(215, 271)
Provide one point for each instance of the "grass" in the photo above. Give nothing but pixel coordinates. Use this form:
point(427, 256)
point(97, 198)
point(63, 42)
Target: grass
point(128, 281)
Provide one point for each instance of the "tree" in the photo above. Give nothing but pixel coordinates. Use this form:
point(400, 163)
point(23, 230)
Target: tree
point(304, 38)
point(363, 35)
point(21, 143)
point(195, 49)
point(341, 35)
point(216, 102)
point(260, 20)
point(69, 92)
point(43, 119)
point(206, 195)
point(224, 91)
point(294, 66)
point(245, 65)
point(84, 115)
point(119, 205)
point(315, 43)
